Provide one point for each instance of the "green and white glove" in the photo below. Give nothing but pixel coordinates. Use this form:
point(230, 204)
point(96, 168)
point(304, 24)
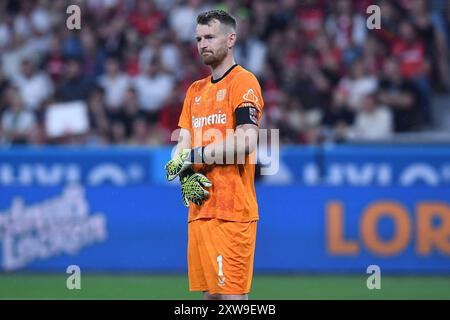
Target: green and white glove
point(183, 161)
point(193, 186)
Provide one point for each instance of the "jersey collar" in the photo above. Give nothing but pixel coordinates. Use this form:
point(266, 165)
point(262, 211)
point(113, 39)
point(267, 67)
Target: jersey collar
point(225, 74)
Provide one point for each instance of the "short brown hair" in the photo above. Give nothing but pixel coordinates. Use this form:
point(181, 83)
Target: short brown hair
point(220, 15)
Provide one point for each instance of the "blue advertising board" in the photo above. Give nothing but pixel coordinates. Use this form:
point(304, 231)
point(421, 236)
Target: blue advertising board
point(144, 228)
point(328, 209)
point(336, 166)
point(50, 167)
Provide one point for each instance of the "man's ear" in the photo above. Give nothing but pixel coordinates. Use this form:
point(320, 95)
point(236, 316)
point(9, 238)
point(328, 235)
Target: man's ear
point(231, 39)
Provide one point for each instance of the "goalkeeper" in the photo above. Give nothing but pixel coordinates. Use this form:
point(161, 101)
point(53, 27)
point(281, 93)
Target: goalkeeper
point(214, 160)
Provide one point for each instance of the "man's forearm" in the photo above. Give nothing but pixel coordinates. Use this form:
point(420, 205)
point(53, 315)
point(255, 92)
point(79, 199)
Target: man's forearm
point(233, 149)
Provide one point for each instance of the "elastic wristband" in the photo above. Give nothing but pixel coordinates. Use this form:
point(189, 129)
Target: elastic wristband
point(197, 155)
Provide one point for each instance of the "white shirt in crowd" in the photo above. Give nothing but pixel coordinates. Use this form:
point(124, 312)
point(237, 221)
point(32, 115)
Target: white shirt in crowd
point(152, 92)
point(374, 125)
point(35, 89)
point(357, 89)
point(19, 123)
point(115, 89)
point(183, 20)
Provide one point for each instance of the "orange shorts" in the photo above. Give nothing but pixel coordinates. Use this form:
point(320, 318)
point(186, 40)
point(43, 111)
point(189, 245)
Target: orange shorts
point(220, 255)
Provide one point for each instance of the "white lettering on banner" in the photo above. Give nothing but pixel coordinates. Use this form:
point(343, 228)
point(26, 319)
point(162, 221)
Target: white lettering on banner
point(107, 173)
point(375, 174)
point(420, 172)
point(38, 173)
point(359, 175)
point(56, 174)
point(49, 228)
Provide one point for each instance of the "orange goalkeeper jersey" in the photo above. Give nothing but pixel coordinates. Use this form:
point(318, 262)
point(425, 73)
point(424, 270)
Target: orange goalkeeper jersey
point(208, 111)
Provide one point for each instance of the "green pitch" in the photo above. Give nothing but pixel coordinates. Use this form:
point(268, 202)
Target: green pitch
point(99, 286)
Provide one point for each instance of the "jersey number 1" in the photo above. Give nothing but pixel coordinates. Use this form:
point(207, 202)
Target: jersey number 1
point(219, 261)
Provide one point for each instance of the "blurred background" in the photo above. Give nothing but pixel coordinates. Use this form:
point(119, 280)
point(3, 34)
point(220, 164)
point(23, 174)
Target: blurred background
point(87, 120)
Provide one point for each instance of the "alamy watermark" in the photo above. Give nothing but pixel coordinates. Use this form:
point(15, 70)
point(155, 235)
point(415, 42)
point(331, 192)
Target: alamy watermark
point(374, 280)
point(224, 145)
point(74, 280)
point(374, 20)
point(74, 20)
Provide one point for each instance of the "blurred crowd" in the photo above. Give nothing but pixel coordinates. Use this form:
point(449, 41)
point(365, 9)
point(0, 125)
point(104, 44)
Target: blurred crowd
point(325, 76)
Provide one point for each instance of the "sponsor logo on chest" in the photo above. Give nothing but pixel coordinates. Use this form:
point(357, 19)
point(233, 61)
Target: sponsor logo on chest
point(216, 118)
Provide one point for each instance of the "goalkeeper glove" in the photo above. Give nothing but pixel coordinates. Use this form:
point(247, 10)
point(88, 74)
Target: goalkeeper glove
point(192, 187)
point(182, 161)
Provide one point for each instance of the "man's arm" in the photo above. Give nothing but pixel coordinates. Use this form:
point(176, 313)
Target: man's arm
point(236, 146)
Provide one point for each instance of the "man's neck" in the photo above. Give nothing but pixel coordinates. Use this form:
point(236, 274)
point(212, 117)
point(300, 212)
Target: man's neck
point(219, 70)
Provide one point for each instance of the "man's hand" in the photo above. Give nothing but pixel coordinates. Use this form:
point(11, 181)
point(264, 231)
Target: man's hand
point(192, 187)
point(178, 164)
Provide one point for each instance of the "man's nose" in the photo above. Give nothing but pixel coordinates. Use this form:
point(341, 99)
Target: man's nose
point(203, 44)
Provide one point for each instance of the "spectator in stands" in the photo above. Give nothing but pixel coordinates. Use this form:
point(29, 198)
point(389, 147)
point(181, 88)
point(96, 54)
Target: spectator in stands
point(249, 51)
point(98, 118)
point(410, 51)
point(329, 56)
point(34, 86)
point(300, 121)
point(430, 31)
point(115, 83)
point(54, 60)
point(284, 15)
point(389, 21)
point(311, 16)
point(304, 53)
point(446, 26)
point(153, 88)
point(75, 86)
point(182, 19)
point(4, 84)
point(93, 56)
point(357, 84)
point(346, 27)
point(128, 112)
point(157, 48)
point(117, 134)
point(308, 76)
point(337, 118)
point(145, 134)
point(17, 121)
point(373, 121)
point(401, 96)
point(146, 18)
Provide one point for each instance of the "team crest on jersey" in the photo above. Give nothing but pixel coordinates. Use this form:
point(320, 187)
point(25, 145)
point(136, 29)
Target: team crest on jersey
point(250, 96)
point(220, 95)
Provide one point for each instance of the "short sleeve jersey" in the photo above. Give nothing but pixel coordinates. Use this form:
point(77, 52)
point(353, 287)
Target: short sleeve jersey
point(209, 114)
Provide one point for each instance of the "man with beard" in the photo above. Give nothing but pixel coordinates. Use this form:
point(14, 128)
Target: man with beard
point(216, 150)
